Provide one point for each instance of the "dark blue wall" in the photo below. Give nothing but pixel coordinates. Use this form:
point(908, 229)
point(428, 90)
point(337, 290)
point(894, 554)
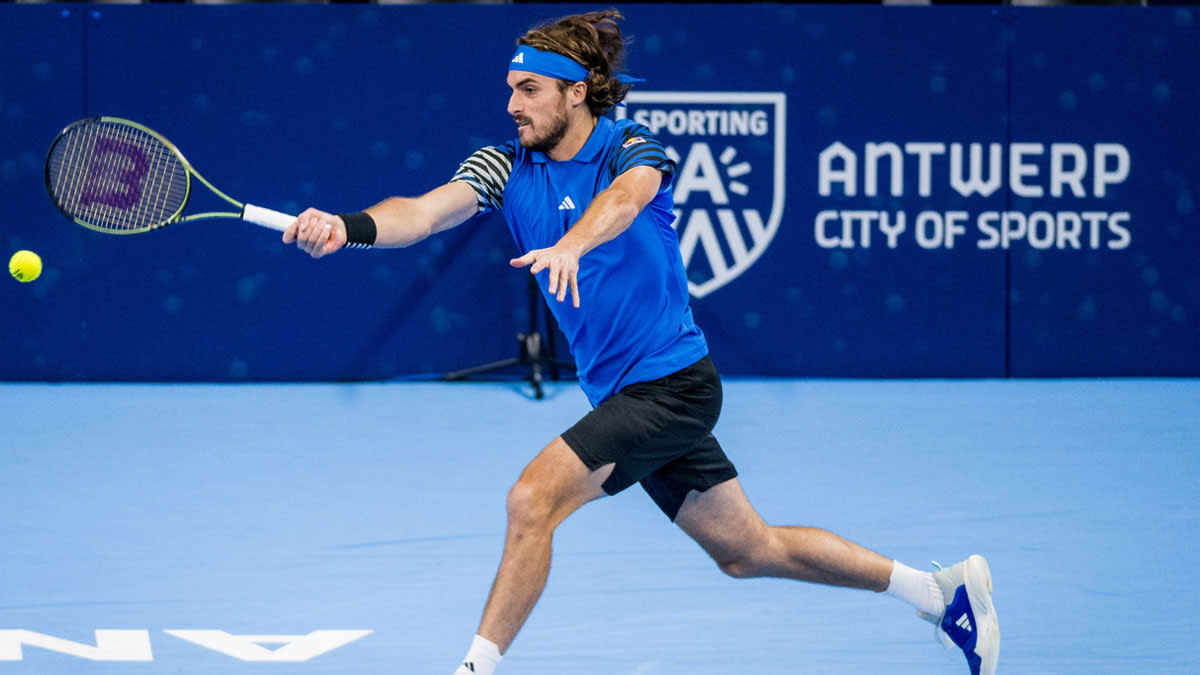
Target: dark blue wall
point(340, 106)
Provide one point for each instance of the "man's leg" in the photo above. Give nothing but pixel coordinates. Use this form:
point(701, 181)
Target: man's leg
point(957, 599)
point(551, 487)
point(728, 528)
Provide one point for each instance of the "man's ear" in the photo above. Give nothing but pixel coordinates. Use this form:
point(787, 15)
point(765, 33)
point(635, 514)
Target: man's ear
point(577, 93)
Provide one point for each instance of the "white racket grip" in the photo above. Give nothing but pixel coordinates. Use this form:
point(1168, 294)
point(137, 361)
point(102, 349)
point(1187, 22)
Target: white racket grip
point(266, 217)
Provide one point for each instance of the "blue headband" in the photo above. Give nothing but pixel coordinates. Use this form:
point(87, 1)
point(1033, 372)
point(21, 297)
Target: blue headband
point(555, 65)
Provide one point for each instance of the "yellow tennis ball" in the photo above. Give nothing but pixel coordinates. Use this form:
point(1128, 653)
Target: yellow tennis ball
point(25, 266)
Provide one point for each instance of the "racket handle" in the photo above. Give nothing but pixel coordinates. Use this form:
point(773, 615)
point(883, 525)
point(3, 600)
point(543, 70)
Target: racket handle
point(266, 217)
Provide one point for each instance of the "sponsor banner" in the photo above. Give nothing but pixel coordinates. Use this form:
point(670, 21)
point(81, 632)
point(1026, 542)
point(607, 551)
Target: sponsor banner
point(730, 149)
point(862, 190)
point(1055, 173)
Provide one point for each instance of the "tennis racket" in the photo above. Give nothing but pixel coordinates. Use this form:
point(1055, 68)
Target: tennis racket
point(118, 177)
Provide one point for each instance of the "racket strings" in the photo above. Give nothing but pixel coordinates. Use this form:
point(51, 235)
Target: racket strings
point(116, 177)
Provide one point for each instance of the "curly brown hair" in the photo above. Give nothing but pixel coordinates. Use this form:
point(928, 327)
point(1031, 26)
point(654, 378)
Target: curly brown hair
point(593, 40)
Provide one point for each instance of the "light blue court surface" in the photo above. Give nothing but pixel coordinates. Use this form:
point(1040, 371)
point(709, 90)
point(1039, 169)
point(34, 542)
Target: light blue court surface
point(276, 511)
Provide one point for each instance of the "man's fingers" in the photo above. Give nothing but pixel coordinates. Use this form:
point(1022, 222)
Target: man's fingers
point(334, 241)
point(294, 232)
point(316, 233)
point(303, 229)
point(563, 284)
point(563, 275)
point(306, 235)
point(314, 238)
point(321, 241)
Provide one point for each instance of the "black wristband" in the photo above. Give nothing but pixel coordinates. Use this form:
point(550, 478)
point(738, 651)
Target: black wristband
point(360, 229)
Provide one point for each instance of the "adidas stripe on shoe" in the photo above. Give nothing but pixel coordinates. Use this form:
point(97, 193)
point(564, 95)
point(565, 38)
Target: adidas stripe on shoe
point(970, 621)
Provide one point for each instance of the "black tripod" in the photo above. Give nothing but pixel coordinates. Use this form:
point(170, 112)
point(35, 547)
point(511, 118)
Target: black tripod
point(536, 352)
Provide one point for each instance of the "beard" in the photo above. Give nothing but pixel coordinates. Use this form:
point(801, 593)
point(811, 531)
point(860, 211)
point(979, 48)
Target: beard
point(555, 133)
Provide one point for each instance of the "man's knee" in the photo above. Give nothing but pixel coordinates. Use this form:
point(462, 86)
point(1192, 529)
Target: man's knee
point(754, 559)
point(554, 484)
point(741, 567)
point(529, 504)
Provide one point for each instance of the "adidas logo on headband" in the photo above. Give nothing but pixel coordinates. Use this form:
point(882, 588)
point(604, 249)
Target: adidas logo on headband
point(552, 64)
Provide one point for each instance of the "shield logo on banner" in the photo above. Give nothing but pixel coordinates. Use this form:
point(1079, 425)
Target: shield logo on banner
point(729, 195)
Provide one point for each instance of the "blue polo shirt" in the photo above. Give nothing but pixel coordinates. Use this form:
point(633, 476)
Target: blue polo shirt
point(633, 323)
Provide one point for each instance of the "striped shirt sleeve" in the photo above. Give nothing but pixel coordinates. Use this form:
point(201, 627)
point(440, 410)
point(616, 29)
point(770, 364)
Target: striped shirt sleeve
point(639, 148)
point(487, 171)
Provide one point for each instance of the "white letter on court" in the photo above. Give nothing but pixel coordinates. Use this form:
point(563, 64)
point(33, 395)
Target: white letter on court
point(247, 648)
point(111, 645)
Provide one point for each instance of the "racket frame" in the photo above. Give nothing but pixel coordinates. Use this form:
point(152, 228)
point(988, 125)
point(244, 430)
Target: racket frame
point(259, 216)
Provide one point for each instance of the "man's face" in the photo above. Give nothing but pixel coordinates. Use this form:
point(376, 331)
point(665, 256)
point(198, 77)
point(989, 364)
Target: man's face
point(539, 109)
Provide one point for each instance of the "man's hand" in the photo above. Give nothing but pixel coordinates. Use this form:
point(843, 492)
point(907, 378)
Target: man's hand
point(563, 265)
point(316, 233)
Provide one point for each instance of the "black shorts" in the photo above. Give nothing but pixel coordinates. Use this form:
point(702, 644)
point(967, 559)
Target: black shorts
point(658, 433)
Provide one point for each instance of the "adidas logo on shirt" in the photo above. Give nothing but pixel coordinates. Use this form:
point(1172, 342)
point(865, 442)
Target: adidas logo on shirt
point(566, 204)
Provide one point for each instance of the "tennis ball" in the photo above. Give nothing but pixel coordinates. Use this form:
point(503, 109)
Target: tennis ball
point(25, 266)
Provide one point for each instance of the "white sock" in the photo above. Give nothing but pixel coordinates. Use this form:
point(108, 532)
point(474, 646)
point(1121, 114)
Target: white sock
point(481, 659)
point(917, 589)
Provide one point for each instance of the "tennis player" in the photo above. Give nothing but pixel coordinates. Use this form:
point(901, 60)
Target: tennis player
point(588, 199)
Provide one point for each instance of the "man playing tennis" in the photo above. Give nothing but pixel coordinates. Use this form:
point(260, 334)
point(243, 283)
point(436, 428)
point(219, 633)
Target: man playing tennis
point(589, 201)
